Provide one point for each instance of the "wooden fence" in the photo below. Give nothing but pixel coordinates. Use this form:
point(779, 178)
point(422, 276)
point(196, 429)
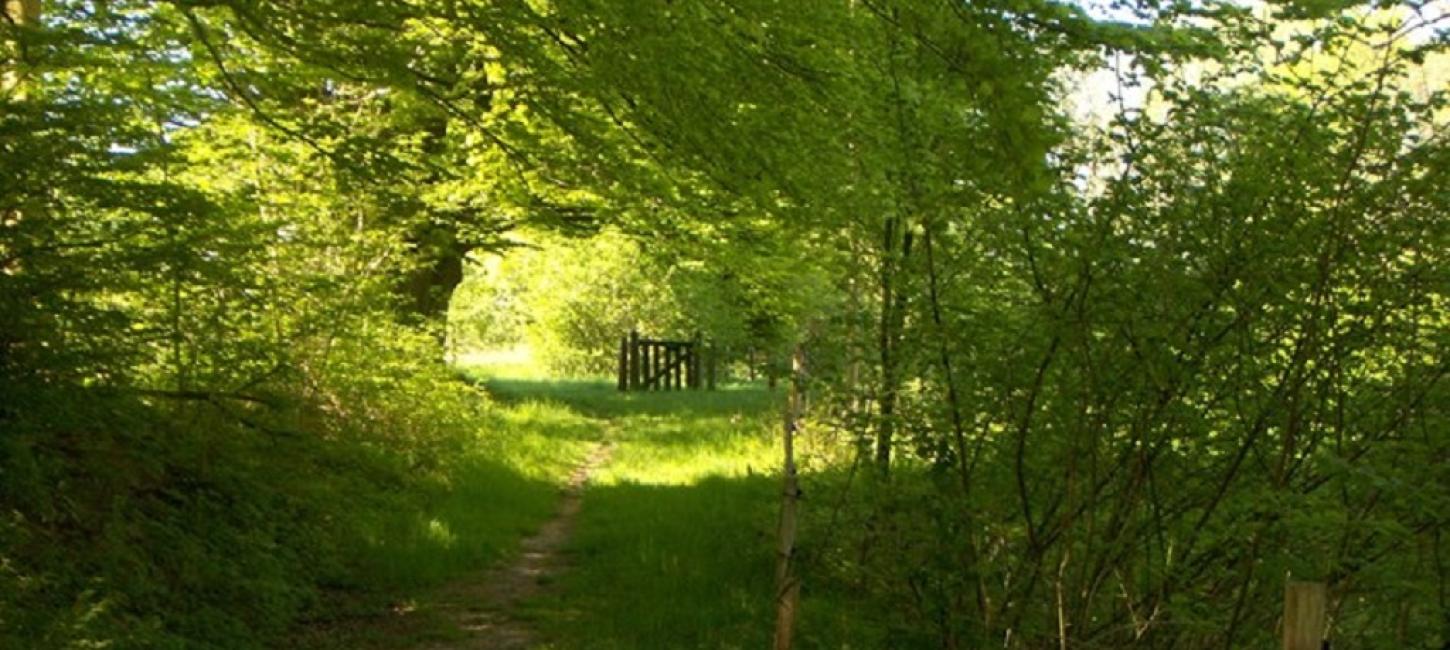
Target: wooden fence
point(658, 364)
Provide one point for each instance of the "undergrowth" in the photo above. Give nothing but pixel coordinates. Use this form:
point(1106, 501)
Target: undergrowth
point(135, 518)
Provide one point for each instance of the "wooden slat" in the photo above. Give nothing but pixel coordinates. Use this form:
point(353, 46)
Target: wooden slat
point(623, 374)
point(656, 364)
point(647, 367)
point(633, 360)
point(710, 373)
point(665, 367)
point(664, 364)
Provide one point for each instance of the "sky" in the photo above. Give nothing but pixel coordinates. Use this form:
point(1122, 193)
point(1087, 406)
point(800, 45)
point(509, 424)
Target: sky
point(1098, 94)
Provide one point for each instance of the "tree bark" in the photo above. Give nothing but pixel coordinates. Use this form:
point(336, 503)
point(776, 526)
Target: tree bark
point(17, 13)
point(788, 584)
point(892, 318)
point(427, 288)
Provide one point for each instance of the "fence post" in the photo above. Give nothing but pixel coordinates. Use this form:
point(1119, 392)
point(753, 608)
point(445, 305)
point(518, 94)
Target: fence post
point(634, 359)
point(695, 362)
point(1304, 614)
point(623, 363)
point(654, 366)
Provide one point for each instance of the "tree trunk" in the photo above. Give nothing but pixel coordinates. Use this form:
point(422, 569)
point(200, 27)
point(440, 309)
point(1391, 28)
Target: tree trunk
point(787, 583)
point(892, 319)
point(19, 13)
point(427, 288)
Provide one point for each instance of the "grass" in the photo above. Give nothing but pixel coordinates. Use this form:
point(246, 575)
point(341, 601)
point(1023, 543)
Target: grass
point(673, 547)
point(504, 485)
point(502, 489)
point(675, 544)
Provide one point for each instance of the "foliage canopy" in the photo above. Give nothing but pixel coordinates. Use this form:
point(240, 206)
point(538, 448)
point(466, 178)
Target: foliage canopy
point(1108, 380)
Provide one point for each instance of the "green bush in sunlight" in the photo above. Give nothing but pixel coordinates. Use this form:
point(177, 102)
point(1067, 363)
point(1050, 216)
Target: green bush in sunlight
point(571, 300)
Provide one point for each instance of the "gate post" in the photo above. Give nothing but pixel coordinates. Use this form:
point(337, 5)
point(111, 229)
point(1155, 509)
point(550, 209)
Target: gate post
point(634, 359)
point(623, 374)
point(677, 371)
point(694, 362)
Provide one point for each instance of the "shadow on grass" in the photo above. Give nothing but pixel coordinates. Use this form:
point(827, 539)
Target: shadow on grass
point(496, 491)
point(676, 566)
point(601, 399)
point(683, 566)
point(458, 529)
point(673, 547)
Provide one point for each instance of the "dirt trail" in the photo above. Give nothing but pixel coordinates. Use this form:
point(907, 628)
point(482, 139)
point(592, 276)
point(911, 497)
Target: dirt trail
point(483, 608)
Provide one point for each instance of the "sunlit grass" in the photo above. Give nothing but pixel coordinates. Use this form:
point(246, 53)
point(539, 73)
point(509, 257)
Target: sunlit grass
point(539, 439)
point(668, 566)
point(516, 362)
point(684, 450)
point(504, 487)
point(673, 546)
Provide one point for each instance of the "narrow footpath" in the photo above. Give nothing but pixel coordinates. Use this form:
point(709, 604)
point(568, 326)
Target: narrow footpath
point(485, 608)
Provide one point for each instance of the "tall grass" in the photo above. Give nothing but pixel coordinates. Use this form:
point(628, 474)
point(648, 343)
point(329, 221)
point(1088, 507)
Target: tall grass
point(674, 545)
point(501, 485)
point(502, 488)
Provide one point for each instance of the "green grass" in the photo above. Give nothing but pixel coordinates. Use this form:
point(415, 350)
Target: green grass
point(668, 566)
point(674, 545)
point(502, 487)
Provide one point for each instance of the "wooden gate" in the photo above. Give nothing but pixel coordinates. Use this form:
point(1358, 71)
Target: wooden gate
point(658, 364)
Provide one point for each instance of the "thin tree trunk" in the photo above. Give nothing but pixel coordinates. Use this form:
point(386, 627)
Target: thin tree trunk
point(19, 13)
point(886, 402)
point(892, 316)
point(788, 584)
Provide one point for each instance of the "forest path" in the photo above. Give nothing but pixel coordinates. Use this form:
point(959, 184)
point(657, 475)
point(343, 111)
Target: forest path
point(485, 609)
point(603, 520)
